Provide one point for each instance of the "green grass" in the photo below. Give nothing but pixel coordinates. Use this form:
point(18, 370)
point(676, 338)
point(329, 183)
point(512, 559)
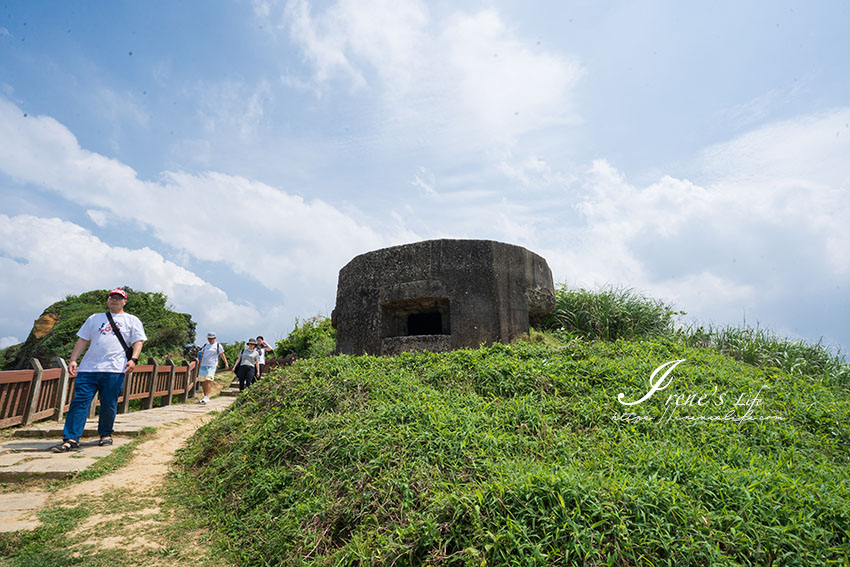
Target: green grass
point(43, 547)
point(511, 455)
point(617, 313)
point(610, 314)
point(761, 347)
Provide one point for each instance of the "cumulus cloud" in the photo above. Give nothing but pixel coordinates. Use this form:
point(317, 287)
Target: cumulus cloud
point(762, 235)
point(45, 259)
point(210, 215)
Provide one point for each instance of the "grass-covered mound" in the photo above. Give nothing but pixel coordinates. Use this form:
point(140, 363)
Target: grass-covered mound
point(511, 455)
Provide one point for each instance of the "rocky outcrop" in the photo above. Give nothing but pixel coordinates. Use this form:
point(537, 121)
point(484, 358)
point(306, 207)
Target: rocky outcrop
point(44, 325)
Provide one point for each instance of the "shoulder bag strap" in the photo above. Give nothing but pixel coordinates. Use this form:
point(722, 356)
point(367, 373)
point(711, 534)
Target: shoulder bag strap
point(117, 332)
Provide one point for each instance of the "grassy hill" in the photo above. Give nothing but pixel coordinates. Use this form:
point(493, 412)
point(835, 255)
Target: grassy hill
point(523, 455)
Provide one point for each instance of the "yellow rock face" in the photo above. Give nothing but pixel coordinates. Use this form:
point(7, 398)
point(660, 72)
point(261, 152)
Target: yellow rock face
point(43, 325)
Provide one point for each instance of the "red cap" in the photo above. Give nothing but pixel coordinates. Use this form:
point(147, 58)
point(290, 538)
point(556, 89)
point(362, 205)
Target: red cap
point(119, 291)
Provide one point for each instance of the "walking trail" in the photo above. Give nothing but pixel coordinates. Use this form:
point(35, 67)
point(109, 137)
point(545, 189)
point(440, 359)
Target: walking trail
point(135, 488)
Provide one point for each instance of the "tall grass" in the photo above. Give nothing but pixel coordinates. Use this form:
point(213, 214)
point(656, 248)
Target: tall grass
point(763, 348)
point(611, 313)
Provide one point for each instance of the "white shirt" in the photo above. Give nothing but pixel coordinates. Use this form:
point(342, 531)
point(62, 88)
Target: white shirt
point(262, 351)
point(105, 353)
point(209, 354)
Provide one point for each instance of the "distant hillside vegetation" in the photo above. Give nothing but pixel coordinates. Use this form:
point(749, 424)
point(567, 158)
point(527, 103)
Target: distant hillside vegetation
point(55, 331)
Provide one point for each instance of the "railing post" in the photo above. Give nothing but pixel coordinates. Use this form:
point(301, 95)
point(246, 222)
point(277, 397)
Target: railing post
point(35, 390)
point(193, 378)
point(93, 405)
point(148, 403)
point(62, 390)
point(125, 392)
point(171, 374)
point(186, 380)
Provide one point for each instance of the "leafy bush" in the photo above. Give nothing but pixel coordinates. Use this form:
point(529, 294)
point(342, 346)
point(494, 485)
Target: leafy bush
point(611, 314)
point(510, 455)
point(312, 338)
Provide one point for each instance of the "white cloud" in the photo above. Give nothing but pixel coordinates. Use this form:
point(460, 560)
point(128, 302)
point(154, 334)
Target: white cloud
point(511, 87)
point(467, 77)
point(119, 107)
point(760, 107)
point(98, 217)
point(44, 260)
point(279, 239)
point(261, 8)
point(425, 180)
point(6, 342)
point(766, 233)
point(533, 172)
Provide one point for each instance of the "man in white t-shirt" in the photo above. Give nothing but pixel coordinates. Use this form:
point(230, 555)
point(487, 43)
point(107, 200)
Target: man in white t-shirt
point(208, 359)
point(102, 369)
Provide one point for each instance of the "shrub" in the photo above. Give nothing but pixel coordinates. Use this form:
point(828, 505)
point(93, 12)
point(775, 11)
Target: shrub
point(312, 338)
point(232, 351)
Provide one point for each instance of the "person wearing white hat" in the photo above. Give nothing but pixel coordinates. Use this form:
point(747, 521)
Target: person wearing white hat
point(208, 359)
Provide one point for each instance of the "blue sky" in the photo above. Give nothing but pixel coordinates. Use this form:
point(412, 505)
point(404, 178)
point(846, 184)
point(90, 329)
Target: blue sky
point(235, 155)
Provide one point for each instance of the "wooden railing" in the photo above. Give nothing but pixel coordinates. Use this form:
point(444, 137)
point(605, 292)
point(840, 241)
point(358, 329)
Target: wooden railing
point(27, 396)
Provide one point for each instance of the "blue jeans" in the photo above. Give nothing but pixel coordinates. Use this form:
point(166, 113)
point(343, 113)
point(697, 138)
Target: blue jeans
point(109, 386)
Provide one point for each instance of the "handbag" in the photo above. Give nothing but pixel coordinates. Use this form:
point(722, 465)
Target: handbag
point(128, 352)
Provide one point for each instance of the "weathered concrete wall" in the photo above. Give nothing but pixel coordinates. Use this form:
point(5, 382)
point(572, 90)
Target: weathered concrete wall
point(440, 295)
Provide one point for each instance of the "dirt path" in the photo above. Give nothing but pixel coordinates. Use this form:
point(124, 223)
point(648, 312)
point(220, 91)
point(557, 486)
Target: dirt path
point(136, 521)
point(125, 521)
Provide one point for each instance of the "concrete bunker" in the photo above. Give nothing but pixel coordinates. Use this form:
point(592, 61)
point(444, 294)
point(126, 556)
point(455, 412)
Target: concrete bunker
point(440, 295)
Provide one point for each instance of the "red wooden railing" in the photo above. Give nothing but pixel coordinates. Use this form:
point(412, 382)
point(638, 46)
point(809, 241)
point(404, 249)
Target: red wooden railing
point(27, 396)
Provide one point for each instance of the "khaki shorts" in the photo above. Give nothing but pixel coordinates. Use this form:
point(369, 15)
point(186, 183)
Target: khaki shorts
point(206, 373)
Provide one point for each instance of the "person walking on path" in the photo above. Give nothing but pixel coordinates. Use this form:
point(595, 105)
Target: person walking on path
point(247, 365)
point(208, 359)
point(102, 369)
point(262, 347)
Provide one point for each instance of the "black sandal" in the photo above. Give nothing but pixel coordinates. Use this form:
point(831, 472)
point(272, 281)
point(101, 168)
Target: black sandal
point(105, 441)
point(66, 446)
